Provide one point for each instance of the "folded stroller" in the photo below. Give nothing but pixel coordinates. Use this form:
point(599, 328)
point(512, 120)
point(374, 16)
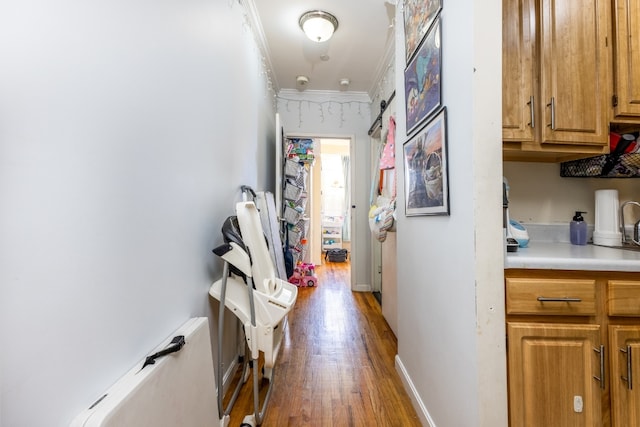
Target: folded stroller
point(250, 289)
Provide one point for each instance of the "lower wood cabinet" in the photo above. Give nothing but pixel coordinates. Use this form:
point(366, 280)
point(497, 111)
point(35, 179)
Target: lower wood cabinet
point(553, 371)
point(573, 340)
point(624, 354)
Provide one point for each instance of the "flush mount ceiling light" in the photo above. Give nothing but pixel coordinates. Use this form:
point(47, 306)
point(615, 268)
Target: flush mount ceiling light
point(318, 25)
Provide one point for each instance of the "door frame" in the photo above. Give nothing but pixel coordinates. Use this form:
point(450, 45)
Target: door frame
point(315, 220)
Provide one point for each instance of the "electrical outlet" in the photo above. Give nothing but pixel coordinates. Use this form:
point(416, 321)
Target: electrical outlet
point(577, 404)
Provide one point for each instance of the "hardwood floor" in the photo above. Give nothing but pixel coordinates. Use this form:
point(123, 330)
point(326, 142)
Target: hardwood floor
point(336, 364)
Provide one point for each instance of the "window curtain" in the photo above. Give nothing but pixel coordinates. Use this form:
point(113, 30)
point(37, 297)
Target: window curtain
point(346, 170)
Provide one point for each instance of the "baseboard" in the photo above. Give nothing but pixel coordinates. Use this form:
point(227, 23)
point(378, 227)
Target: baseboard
point(364, 287)
point(421, 410)
point(229, 374)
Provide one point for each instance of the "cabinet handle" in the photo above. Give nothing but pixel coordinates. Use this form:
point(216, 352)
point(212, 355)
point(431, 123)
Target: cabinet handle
point(532, 108)
point(552, 104)
point(629, 377)
point(563, 299)
point(601, 378)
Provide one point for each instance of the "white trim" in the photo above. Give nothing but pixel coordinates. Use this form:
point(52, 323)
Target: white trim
point(421, 410)
point(323, 96)
point(261, 40)
point(362, 287)
point(388, 61)
point(229, 374)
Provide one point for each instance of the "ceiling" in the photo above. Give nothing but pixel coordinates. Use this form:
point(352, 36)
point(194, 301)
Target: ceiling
point(359, 50)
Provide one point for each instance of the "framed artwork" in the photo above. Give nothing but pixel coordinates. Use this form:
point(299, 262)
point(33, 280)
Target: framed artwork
point(422, 82)
point(418, 17)
point(426, 171)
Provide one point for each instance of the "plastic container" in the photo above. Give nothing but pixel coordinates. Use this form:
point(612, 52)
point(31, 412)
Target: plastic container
point(519, 233)
point(607, 226)
point(578, 229)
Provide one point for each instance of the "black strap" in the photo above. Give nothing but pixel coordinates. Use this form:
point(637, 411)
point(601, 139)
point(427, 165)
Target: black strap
point(176, 345)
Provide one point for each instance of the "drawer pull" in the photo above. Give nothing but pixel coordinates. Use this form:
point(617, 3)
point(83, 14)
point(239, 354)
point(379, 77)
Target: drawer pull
point(600, 351)
point(532, 109)
point(629, 378)
point(552, 104)
point(564, 299)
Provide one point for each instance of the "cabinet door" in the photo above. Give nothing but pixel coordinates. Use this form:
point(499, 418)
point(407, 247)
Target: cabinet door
point(626, 58)
point(518, 98)
point(625, 375)
point(551, 375)
point(573, 76)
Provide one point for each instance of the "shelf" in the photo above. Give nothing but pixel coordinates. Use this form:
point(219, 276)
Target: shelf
point(331, 235)
point(326, 247)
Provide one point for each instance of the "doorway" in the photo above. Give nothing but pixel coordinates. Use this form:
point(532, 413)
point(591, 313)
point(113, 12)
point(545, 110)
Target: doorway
point(331, 221)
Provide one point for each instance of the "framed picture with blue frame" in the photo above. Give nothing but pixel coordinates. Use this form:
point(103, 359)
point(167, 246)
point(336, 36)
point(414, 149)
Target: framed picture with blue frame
point(422, 79)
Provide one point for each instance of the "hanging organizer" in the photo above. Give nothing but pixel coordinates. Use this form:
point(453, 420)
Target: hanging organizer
point(299, 157)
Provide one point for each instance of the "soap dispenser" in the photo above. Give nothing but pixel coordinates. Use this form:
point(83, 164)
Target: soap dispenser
point(578, 229)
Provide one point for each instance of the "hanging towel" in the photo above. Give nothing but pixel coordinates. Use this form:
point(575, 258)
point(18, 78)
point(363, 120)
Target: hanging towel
point(388, 159)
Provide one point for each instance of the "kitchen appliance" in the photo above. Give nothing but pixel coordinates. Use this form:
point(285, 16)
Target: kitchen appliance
point(607, 225)
point(518, 232)
point(510, 243)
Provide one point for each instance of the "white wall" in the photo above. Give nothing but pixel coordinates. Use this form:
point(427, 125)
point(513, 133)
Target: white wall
point(539, 194)
point(451, 349)
point(344, 115)
point(126, 129)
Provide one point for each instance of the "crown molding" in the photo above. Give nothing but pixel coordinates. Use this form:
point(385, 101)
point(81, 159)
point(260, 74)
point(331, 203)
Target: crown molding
point(323, 96)
point(385, 63)
point(261, 40)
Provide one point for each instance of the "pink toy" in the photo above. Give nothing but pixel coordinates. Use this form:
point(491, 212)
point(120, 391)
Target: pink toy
point(304, 274)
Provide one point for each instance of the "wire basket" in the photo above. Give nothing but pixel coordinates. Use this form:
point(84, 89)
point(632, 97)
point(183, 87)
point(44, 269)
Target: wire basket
point(605, 166)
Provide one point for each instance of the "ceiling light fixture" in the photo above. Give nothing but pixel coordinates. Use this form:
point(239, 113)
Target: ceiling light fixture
point(318, 25)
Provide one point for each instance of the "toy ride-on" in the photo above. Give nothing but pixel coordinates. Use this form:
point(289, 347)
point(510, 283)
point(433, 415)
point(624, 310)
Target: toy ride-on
point(304, 274)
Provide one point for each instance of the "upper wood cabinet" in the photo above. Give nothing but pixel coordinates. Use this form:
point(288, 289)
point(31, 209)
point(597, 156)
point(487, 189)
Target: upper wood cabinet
point(555, 79)
point(518, 70)
point(626, 60)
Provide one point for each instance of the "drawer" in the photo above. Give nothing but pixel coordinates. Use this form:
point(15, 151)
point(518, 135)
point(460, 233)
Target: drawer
point(623, 298)
point(567, 297)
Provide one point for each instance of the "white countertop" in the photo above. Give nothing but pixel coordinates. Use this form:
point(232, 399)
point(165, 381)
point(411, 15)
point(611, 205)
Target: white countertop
point(565, 256)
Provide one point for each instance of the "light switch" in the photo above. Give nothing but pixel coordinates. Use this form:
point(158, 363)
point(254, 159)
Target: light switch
point(577, 404)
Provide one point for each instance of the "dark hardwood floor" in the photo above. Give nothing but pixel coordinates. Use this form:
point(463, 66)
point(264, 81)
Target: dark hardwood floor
point(336, 364)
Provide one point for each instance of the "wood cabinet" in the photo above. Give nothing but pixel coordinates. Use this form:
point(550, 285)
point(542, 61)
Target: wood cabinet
point(624, 354)
point(551, 296)
point(551, 370)
point(555, 79)
point(573, 342)
point(623, 310)
point(518, 70)
point(626, 60)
